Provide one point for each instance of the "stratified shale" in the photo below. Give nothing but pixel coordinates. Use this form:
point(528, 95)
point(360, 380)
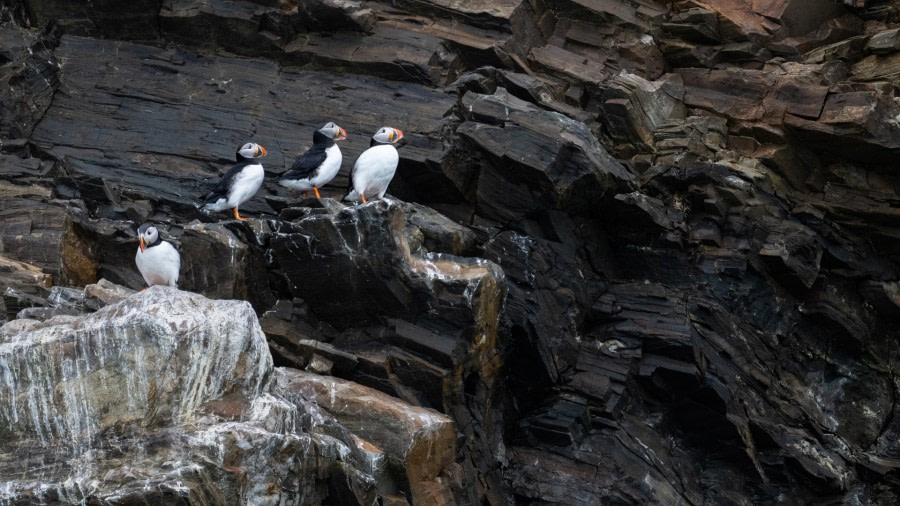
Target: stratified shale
point(635, 252)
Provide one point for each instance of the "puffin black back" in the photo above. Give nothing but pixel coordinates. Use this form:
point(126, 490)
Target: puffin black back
point(221, 188)
point(312, 158)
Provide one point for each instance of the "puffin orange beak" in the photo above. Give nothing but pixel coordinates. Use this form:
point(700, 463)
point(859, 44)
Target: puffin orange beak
point(262, 151)
point(141, 243)
point(399, 134)
point(341, 135)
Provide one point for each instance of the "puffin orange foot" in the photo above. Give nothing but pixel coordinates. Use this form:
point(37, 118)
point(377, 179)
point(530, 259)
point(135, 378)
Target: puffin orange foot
point(237, 215)
point(317, 192)
point(363, 197)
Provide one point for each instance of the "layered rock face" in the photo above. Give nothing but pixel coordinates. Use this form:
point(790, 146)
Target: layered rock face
point(167, 397)
point(636, 252)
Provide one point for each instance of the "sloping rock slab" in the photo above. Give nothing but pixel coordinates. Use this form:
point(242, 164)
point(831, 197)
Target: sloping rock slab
point(419, 440)
point(535, 159)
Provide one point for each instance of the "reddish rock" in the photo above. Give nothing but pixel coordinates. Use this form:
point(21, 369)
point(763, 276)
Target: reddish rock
point(419, 441)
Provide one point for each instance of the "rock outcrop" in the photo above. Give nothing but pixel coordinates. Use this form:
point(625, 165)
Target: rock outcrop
point(639, 252)
point(169, 397)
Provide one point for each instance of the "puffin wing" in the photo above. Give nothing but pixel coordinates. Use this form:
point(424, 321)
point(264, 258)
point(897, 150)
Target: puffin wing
point(221, 189)
point(305, 166)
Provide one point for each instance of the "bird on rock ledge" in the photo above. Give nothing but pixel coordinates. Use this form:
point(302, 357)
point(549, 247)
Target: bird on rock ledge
point(240, 183)
point(157, 260)
point(319, 164)
point(375, 167)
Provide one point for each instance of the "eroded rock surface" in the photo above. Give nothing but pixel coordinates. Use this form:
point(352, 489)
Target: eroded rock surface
point(168, 396)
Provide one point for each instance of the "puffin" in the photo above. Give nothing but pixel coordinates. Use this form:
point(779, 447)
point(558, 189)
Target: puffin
point(157, 260)
point(240, 182)
point(319, 164)
point(375, 167)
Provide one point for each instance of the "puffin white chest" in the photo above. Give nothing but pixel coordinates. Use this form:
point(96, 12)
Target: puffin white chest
point(330, 166)
point(159, 264)
point(245, 184)
point(374, 170)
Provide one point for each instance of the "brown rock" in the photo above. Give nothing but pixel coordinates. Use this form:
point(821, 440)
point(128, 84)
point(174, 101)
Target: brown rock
point(738, 23)
point(845, 50)
point(853, 123)
point(79, 265)
point(876, 68)
point(570, 65)
point(752, 95)
point(473, 45)
point(107, 293)
point(636, 108)
point(499, 14)
point(695, 24)
point(640, 15)
point(421, 441)
point(22, 276)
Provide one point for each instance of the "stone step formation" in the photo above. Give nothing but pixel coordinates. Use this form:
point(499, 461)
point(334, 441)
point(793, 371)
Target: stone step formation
point(634, 251)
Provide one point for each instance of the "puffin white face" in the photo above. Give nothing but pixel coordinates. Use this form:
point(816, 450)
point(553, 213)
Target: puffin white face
point(252, 150)
point(147, 235)
point(387, 135)
point(335, 132)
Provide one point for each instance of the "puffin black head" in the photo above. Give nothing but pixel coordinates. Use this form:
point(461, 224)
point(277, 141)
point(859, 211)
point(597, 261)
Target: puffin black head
point(147, 236)
point(250, 151)
point(333, 131)
point(386, 135)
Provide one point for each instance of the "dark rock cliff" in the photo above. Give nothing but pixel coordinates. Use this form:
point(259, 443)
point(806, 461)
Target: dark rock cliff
point(639, 252)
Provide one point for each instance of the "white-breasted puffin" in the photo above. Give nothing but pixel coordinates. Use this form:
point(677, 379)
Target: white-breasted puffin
point(240, 183)
point(319, 164)
point(375, 167)
point(157, 260)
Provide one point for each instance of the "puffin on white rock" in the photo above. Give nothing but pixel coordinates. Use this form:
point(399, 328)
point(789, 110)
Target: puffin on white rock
point(157, 260)
point(319, 164)
point(240, 183)
point(375, 167)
